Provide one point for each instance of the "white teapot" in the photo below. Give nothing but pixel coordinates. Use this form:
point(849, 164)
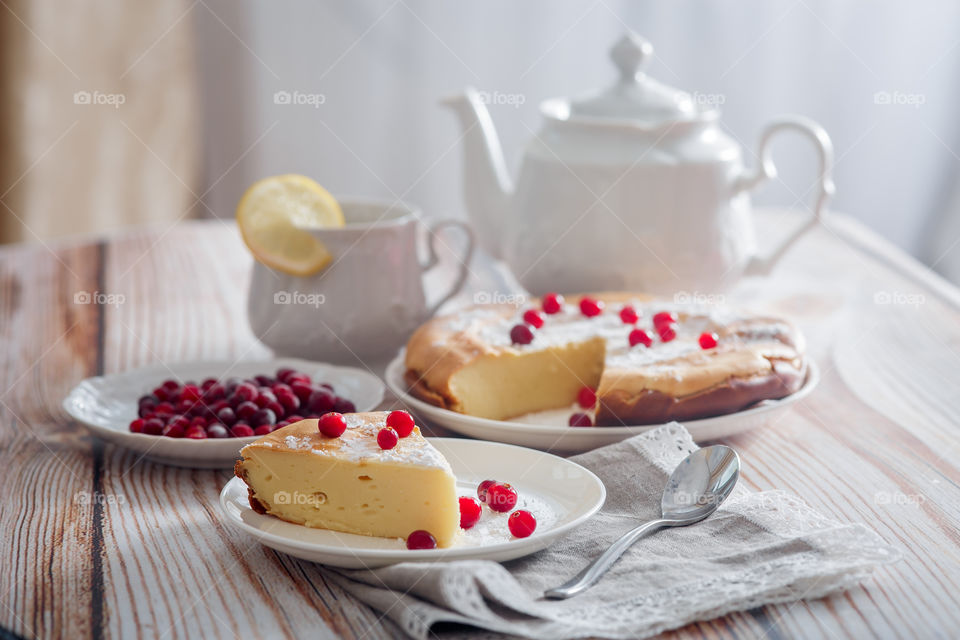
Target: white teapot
point(633, 188)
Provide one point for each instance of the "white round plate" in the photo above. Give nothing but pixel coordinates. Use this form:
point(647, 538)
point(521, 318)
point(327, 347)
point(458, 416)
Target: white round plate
point(107, 404)
point(577, 439)
point(561, 494)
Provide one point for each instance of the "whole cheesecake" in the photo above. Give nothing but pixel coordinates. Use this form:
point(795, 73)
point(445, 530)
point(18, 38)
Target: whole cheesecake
point(492, 361)
point(348, 483)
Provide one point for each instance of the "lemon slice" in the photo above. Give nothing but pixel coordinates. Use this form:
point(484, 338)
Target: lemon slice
point(274, 216)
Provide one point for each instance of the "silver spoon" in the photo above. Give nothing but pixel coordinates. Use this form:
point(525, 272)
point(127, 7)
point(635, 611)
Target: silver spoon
point(694, 491)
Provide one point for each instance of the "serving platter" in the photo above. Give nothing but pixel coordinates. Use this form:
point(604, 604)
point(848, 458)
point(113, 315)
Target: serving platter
point(561, 494)
point(107, 404)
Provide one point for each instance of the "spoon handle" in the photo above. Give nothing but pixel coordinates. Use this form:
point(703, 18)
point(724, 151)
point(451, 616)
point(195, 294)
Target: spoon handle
point(595, 570)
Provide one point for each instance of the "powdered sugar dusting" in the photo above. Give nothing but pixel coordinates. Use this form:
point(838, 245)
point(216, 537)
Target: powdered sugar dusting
point(358, 444)
point(294, 442)
point(570, 326)
point(492, 527)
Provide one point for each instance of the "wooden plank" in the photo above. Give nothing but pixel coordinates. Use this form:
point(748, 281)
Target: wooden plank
point(48, 572)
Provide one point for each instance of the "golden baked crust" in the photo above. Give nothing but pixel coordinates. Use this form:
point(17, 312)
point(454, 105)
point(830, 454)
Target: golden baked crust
point(757, 357)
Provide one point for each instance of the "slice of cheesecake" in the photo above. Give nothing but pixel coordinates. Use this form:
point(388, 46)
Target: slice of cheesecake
point(349, 483)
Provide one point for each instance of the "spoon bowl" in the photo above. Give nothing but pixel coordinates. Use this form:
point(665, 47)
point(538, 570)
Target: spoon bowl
point(695, 489)
point(700, 484)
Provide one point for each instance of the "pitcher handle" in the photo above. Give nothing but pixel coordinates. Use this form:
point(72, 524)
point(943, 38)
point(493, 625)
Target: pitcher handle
point(766, 170)
point(433, 260)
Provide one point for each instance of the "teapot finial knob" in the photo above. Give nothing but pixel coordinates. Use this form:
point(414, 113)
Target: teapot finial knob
point(630, 54)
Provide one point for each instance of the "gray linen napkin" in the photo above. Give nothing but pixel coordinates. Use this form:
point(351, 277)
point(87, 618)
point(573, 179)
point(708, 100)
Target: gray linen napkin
point(759, 548)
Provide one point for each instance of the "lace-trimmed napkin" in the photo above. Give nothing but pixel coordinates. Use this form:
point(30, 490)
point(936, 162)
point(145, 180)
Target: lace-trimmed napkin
point(759, 548)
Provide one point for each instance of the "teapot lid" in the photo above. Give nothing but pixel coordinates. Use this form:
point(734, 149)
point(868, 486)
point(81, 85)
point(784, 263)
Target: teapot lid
point(635, 96)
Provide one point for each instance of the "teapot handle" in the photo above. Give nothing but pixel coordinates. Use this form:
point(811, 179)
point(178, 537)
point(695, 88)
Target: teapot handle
point(766, 170)
point(433, 260)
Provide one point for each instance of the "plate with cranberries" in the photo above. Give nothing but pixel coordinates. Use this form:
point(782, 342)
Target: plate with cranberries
point(571, 429)
point(513, 502)
point(201, 414)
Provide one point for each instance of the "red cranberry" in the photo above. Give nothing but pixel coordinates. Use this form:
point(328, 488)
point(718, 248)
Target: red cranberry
point(401, 422)
point(136, 426)
point(175, 430)
point(663, 318)
point(196, 433)
point(708, 340)
point(285, 372)
point(342, 405)
point(217, 431)
point(218, 405)
point(147, 400)
point(262, 417)
point(421, 539)
point(668, 332)
point(552, 303)
point(483, 488)
point(587, 398)
point(580, 420)
point(263, 381)
point(590, 307)
point(533, 318)
point(145, 412)
point(521, 334)
point(501, 497)
point(332, 425)
point(185, 406)
point(246, 392)
point(170, 385)
point(521, 523)
point(629, 315)
point(470, 511)
point(263, 430)
point(387, 438)
point(207, 383)
point(241, 430)
point(165, 409)
point(264, 397)
point(246, 409)
point(199, 421)
point(321, 401)
point(190, 392)
point(302, 390)
point(153, 427)
point(639, 336)
point(277, 409)
point(227, 416)
point(289, 401)
point(299, 377)
point(214, 392)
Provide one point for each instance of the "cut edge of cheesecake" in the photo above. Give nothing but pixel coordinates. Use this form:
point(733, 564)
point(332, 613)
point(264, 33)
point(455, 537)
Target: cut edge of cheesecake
point(349, 484)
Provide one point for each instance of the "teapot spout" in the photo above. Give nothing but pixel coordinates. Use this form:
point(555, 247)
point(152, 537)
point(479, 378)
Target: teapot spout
point(486, 183)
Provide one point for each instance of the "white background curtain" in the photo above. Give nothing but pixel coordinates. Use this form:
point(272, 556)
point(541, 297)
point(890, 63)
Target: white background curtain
point(381, 66)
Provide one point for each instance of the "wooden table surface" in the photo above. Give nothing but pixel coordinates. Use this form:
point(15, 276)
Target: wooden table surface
point(98, 544)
